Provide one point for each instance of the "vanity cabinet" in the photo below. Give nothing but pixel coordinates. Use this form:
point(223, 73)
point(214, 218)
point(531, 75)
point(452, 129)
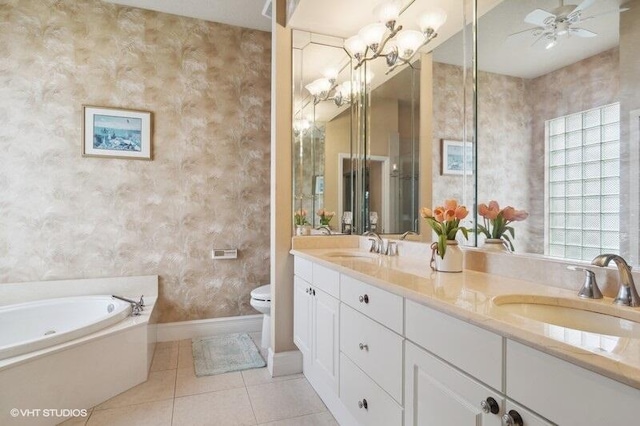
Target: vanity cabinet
point(315, 333)
point(438, 394)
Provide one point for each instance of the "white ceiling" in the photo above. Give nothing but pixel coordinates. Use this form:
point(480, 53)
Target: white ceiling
point(515, 56)
point(241, 13)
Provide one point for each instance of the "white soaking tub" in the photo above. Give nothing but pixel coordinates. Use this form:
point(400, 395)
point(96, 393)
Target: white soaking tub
point(31, 326)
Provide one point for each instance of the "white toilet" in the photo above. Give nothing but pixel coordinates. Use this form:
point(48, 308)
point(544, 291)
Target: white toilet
point(261, 302)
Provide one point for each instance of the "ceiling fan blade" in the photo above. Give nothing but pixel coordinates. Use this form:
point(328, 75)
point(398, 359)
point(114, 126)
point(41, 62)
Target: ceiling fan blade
point(581, 32)
point(597, 15)
point(539, 17)
point(584, 5)
point(524, 31)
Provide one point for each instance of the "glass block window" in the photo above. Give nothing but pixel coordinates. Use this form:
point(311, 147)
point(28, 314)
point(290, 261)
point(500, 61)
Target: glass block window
point(583, 184)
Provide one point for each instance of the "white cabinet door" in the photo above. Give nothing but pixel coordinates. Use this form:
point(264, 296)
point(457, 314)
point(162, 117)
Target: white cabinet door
point(302, 302)
point(436, 394)
point(325, 347)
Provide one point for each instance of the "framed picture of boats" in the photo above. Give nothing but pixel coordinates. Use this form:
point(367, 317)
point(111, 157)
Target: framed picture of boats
point(116, 133)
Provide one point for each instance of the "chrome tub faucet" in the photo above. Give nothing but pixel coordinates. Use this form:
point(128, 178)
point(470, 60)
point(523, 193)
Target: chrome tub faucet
point(627, 294)
point(136, 307)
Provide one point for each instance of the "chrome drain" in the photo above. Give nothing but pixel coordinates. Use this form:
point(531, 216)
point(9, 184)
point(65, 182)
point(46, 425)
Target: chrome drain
point(110, 307)
point(50, 332)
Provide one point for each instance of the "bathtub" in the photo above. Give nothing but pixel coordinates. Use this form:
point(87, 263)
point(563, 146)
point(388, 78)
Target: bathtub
point(100, 354)
point(31, 326)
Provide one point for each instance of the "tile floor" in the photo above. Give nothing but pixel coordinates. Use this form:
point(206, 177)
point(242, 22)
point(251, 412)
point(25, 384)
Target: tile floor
point(173, 395)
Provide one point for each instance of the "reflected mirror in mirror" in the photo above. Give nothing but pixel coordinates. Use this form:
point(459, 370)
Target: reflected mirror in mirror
point(558, 123)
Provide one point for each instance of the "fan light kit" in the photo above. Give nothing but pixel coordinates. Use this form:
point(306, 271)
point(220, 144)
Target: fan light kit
point(563, 21)
point(385, 39)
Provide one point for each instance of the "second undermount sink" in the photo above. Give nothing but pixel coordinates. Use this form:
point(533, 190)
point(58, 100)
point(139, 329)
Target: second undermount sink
point(576, 314)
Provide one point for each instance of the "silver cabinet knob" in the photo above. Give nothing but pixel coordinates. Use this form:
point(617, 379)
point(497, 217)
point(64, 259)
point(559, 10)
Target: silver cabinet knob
point(490, 405)
point(363, 404)
point(364, 299)
point(306, 290)
point(513, 418)
point(363, 346)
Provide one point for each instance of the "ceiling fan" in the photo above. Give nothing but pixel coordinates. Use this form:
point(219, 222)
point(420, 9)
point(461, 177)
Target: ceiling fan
point(561, 21)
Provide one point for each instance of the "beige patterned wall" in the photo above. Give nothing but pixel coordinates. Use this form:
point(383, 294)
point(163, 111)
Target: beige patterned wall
point(64, 216)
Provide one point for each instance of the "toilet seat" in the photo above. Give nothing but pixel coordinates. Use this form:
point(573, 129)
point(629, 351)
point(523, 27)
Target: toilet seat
point(262, 293)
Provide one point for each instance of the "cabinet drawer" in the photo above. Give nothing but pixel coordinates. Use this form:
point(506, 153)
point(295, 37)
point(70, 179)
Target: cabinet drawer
point(326, 280)
point(303, 268)
point(565, 393)
point(382, 306)
point(356, 388)
point(381, 353)
point(528, 418)
point(472, 349)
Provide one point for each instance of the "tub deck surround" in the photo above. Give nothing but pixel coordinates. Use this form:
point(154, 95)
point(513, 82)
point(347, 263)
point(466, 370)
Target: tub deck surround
point(468, 296)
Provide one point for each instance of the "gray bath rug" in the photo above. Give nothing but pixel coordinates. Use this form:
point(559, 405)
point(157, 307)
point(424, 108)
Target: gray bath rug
point(223, 354)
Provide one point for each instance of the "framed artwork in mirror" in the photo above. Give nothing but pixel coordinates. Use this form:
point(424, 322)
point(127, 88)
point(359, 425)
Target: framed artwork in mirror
point(456, 157)
point(318, 184)
point(116, 133)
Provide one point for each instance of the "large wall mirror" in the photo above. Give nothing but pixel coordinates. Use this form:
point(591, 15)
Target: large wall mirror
point(373, 138)
point(558, 123)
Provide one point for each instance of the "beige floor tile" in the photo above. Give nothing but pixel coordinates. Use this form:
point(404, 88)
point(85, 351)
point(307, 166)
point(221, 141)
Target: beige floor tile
point(260, 376)
point(148, 414)
point(159, 386)
point(185, 357)
point(77, 421)
point(188, 384)
point(228, 407)
point(165, 359)
point(185, 342)
point(284, 400)
point(167, 345)
point(321, 419)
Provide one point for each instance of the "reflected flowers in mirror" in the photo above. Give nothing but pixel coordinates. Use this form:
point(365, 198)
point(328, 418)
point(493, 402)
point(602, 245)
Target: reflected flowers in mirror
point(497, 222)
point(300, 217)
point(325, 216)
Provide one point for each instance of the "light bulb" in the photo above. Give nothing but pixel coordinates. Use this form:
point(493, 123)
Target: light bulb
point(387, 11)
point(432, 20)
point(372, 35)
point(408, 42)
point(355, 46)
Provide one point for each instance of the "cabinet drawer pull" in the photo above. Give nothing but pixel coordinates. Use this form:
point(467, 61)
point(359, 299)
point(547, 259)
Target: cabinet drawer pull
point(364, 299)
point(363, 404)
point(363, 347)
point(490, 405)
point(306, 290)
point(512, 418)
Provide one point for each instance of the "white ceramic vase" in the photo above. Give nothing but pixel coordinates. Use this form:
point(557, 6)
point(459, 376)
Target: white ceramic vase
point(301, 230)
point(452, 261)
point(495, 245)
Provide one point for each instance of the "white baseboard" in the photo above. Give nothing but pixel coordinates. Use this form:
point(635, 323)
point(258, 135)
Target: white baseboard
point(284, 363)
point(168, 332)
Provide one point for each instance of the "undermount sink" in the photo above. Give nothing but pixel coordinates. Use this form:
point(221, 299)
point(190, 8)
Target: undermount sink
point(576, 314)
point(351, 255)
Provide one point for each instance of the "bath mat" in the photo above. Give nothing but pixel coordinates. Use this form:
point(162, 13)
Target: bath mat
point(223, 354)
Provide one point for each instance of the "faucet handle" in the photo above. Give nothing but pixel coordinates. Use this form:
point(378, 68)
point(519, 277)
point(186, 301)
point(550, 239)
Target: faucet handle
point(590, 289)
point(392, 248)
point(374, 245)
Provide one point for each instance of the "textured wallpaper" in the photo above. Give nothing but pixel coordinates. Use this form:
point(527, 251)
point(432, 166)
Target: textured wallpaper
point(65, 216)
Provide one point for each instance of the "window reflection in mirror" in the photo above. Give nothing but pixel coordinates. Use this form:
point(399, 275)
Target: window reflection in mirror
point(558, 107)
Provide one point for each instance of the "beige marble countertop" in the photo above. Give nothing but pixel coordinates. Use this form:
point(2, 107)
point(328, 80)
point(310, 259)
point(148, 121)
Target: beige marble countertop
point(469, 297)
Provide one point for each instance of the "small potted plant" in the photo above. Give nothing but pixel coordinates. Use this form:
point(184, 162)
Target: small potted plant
point(497, 225)
point(325, 216)
point(300, 220)
point(445, 222)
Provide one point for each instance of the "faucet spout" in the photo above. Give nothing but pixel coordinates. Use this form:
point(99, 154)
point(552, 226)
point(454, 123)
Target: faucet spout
point(628, 294)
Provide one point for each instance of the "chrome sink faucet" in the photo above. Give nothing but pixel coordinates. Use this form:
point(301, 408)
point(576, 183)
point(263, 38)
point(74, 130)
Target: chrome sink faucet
point(403, 236)
point(324, 228)
point(628, 294)
point(376, 242)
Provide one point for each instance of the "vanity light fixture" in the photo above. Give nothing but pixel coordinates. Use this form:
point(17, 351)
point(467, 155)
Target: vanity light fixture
point(326, 89)
point(385, 39)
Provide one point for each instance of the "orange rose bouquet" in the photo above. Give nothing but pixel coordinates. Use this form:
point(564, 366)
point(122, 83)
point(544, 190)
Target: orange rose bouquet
point(497, 221)
point(445, 222)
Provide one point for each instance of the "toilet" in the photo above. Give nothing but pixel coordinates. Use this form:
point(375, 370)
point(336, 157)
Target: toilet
point(261, 302)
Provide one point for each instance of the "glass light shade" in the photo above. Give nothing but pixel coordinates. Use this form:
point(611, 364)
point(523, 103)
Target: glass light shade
point(355, 45)
point(318, 86)
point(345, 89)
point(301, 125)
point(387, 11)
point(408, 42)
point(432, 20)
point(372, 34)
point(390, 46)
point(330, 74)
